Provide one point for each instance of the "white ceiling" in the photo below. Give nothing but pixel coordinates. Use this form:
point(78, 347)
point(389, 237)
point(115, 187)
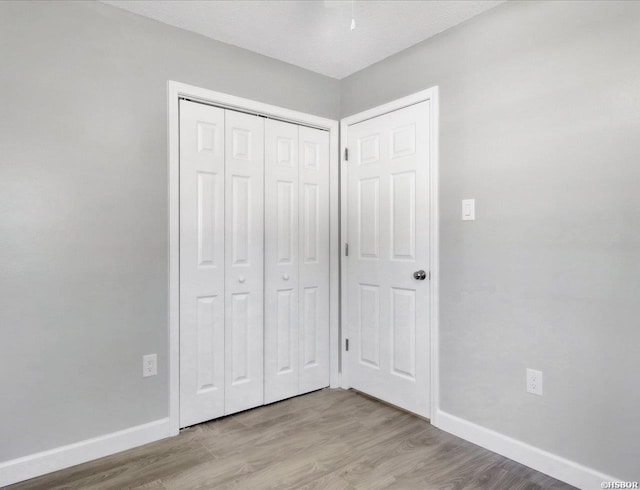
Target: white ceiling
point(314, 34)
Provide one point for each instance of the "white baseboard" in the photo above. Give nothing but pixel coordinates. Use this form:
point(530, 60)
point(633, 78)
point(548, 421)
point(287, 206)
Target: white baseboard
point(548, 463)
point(20, 469)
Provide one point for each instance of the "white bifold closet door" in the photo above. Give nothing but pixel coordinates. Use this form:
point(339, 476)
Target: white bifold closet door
point(202, 264)
point(221, 262)
point(254, 295)
point(244, 210)
point(296, 260)
point(313, 246)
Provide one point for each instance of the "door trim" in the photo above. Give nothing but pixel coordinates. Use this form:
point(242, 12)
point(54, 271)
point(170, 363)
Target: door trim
point(176, 91)
point(431, 95)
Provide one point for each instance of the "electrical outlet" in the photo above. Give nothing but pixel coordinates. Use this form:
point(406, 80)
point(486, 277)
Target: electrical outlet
point(149, 365)
point(534, 382)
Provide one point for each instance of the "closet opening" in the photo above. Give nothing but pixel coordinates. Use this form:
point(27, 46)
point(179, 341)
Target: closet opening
point(254, 254)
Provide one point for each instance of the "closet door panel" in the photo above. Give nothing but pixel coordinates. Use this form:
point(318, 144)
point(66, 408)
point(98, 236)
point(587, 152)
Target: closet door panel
point(201, 263)
point(314, 259)
point(244, 196)
point(281, 261)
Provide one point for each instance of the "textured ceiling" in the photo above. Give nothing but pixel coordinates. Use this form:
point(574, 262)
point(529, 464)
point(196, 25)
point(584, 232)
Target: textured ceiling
point(314, 34)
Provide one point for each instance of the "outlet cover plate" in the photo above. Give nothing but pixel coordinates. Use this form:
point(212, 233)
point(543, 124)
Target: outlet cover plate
point(149, 365)
point(534, 382)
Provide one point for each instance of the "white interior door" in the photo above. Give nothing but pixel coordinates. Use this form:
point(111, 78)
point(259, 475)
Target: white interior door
point(281, 261)
point(314, 259)
point(201, 263)
point(388, 236)
point(244, 197)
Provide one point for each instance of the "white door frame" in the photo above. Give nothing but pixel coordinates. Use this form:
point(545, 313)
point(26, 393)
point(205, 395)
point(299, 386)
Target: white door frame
point(176, 91)
point(431, 95)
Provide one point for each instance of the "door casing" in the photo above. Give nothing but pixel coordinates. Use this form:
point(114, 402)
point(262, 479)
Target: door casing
point(431, 95)
point(176, 91)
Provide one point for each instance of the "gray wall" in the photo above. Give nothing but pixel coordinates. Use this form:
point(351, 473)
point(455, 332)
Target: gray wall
point(540, 122)
point(83, 208)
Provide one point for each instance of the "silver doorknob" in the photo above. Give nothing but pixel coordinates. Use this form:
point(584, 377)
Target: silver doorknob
point(285, 276)
point(420, 275)
point(241, 279)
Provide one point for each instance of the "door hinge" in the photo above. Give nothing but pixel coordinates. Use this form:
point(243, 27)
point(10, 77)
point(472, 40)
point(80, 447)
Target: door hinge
point(346, 154)
point(346, 344)
point(429, 275)
point(346, 249)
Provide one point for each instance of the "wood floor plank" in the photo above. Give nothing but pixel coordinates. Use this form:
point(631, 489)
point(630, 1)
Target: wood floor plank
point(154, 485)
point(329, 439)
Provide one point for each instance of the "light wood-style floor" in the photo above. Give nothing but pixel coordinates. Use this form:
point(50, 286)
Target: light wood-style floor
point(329, 439)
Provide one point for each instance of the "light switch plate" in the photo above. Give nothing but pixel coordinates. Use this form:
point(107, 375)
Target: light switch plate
point(468, 209)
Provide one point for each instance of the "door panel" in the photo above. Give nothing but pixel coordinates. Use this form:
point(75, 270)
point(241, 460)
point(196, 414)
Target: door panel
point(369, 217)
point(369, 325)
point(388, 230)
point(244, 178)
point(285, 348)
point(310, 325)
point(314, 259)
point(201, 263)
point(403, 211)
point(281, 261)
point(403, 336)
